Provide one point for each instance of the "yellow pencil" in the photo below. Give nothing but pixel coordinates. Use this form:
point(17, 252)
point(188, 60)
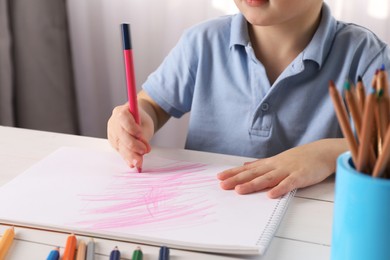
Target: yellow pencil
point(6, 242)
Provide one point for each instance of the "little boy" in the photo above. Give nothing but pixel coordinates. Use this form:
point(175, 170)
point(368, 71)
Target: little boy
point(256, 84)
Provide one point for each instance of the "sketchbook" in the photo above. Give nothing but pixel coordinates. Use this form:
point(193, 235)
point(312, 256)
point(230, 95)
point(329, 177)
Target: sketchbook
point(174, 203)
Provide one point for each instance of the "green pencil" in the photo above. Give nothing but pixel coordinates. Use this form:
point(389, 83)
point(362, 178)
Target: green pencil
point(137, 254)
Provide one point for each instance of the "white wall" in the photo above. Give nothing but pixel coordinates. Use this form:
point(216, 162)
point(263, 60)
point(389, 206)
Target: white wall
point(373, 14)
point(156, 26)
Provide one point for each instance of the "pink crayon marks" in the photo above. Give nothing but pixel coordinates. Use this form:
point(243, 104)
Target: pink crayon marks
point(170, 194)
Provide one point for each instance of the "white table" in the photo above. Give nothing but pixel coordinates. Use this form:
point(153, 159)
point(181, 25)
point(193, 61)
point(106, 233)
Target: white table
point(305, 231)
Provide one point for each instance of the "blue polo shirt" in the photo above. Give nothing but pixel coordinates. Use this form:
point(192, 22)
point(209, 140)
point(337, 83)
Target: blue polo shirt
point(213, 73)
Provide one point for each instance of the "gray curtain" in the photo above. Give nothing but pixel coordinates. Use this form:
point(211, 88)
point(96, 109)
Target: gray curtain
point(36, 79)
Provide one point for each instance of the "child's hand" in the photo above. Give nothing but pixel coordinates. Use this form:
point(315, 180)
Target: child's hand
point(127, 137)
point(295, 168)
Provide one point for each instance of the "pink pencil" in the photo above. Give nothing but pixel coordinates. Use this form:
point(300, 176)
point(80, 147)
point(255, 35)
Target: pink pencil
point(130, 77)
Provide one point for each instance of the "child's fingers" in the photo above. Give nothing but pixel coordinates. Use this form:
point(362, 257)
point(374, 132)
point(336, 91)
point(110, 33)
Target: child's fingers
point(250, 162)
point(241, 178)
point(128, 145)
point(148, 148)
point(230, 173)
point(268, 180)
point(129, 125)
point(288, 184)
point(132, 151)
point(254, 166)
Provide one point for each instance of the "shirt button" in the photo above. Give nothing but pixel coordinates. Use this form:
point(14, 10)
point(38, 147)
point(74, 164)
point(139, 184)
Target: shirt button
point(264, 107)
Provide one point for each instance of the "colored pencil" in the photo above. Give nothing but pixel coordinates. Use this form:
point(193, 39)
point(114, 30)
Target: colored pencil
point(54, 254)
point(6, 241)
point(353, 107)
point(383, 158)
point(164, 253)
point(371, 118)
point(367, 128)
point(130, 77)
point(382, 118)
point(115, 254)
point(90, 250)
point(360, 94)
point(342, 116)
point(81, 251)
point(70, 248)
point(137, 254)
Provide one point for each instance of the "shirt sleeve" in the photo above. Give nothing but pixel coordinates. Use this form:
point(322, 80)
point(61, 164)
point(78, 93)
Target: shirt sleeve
point(171, 85)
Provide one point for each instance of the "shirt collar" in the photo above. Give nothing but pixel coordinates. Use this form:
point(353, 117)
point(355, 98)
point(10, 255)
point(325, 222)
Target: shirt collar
point(316, 50)
point(239, 34)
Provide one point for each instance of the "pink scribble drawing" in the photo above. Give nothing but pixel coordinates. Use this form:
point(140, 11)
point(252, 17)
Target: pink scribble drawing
point(160, 195)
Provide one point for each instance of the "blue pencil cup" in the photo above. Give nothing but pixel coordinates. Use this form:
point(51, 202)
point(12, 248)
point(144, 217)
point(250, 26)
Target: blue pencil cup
point(361, 218)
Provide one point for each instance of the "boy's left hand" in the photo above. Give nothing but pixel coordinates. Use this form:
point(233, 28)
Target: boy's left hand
point(294, 168)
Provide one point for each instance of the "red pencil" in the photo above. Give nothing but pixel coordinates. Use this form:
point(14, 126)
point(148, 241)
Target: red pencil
point(130, 77)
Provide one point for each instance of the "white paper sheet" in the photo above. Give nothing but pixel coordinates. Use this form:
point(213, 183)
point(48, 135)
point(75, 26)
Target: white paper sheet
point(174, 203)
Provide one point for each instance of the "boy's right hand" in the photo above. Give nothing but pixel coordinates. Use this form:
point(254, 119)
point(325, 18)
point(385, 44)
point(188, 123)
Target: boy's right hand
point(127, 137)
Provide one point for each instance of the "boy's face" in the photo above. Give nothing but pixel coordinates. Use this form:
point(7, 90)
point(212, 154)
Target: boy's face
point(275, 12)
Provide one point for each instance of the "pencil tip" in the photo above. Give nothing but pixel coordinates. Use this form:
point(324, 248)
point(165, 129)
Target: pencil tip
point(347, 85)
point(331, 84)
point(360, 78)
point(380, 93)
point(383, 67)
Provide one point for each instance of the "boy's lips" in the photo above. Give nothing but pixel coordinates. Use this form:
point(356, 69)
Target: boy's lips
point(255, 3)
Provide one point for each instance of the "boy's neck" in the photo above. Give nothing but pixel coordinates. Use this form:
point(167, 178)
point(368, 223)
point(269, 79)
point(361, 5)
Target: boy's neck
point(278, 45)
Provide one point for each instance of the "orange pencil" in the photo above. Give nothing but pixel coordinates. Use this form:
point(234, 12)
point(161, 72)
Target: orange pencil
point(342, 116)
point(366, 136)
point(70, 248)
point(6, 242)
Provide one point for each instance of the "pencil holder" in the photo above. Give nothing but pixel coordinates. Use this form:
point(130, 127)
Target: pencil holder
point(361, 220)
